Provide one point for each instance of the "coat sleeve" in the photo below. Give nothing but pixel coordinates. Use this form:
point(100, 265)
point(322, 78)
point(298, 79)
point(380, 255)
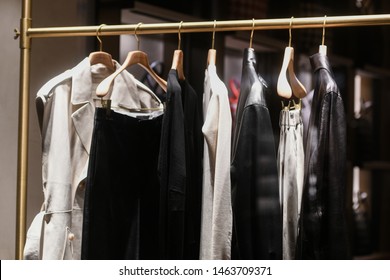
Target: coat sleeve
point(338, 244)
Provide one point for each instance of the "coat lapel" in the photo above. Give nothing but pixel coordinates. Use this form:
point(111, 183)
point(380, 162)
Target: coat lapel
point(83, 109)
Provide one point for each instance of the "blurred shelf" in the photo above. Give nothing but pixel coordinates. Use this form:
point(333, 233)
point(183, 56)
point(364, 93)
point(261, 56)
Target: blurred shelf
point(376, 165)
point(374, 256)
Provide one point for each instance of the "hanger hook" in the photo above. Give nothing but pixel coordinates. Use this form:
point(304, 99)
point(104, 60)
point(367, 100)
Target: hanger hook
point(253, 29)
point(323, 31)
point(213, 40)
point(135, 34)
point(179, 35)
point(97, 36)
point(289, 32)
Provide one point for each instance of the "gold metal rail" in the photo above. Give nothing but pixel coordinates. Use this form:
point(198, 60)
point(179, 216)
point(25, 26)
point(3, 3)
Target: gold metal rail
point(24, 89)
point(27, 33)
point(208, 26)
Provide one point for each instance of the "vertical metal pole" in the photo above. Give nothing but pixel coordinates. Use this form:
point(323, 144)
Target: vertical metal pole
point(24, 86)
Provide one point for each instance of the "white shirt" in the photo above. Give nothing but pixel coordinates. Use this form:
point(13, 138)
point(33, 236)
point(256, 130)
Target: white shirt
point(216, 225)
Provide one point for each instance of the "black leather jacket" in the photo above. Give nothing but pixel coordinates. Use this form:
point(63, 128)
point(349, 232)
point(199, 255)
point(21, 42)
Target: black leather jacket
point(323, 231)
point(257, 222)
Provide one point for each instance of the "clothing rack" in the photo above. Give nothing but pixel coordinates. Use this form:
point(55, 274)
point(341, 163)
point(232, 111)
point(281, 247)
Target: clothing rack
point(27, 32)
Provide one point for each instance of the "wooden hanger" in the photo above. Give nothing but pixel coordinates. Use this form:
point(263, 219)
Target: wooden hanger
point(133, 57)
point(211, 57)
point(323, 48)
point(100, 56)
point(286, 87)
point(288, 83)
point(212, 53)
point(177, 61)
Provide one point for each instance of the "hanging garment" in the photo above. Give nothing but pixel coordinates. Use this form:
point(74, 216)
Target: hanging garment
point(193, 121)
point(291, 167)
point(180, 172)
point(255, 190)
point(65, 107)
point(323, 232)
point(122, 192)
point(172, 172)
point(305, 113)
point(216, 227)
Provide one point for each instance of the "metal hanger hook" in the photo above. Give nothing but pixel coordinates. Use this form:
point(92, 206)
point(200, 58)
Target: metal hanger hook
point(97, 36)
point(289, 32)
point(179, 36)
point(253, 29)
point(135, 33)
point(213, 40)
point(323, 31)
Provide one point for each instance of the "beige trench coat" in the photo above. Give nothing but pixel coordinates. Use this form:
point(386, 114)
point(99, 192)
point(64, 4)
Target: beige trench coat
point(66, 107)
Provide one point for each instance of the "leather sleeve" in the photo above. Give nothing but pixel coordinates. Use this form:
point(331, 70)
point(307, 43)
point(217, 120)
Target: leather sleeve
point(323, 233)
point(255, 190)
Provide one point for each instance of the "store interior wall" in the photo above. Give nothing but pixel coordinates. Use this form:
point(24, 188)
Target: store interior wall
point(9, 73)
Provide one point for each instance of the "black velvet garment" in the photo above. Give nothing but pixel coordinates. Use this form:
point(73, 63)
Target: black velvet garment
point(122, 193)
point(323, 231)
point(257, 220)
